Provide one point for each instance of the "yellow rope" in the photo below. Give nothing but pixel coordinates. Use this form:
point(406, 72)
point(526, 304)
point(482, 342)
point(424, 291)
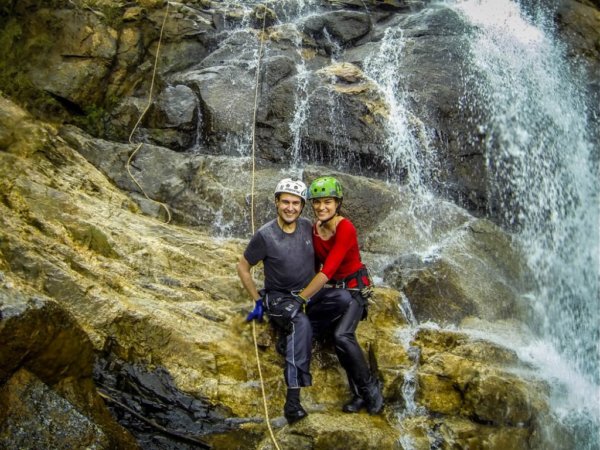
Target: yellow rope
point(262, 383)
point(166, 208)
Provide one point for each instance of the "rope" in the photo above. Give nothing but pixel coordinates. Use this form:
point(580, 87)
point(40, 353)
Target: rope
point(260, 49)
point(166, 208)
point(262, 383)
point(264, 15)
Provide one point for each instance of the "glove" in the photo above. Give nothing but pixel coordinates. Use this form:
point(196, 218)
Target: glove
point(257, 312)
point(367, 291)
point(303, 301)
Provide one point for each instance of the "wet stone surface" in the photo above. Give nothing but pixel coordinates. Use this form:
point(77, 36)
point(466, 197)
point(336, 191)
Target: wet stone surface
point(149, 405)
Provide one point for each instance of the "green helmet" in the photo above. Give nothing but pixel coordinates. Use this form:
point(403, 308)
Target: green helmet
point(325, 187)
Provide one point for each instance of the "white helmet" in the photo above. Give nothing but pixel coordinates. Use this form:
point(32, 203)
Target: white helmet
point(290, 186)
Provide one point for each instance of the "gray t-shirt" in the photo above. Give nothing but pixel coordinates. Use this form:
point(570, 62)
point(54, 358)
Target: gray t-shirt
point(288, 258)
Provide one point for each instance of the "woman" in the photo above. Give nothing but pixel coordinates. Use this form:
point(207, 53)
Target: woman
point(338, 257)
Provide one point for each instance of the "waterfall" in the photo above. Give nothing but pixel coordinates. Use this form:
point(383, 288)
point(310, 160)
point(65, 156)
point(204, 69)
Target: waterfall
point(403, 147)
point(543, 181)
point(300, 110)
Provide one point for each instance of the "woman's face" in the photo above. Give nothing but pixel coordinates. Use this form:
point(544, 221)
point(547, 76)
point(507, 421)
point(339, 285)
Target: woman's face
point(324, 208)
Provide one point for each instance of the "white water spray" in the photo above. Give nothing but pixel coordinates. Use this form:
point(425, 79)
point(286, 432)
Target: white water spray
point(543, 177)
point(403, 150)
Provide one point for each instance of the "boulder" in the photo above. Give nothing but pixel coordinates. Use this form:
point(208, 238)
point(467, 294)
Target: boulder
point(171, 121)
point(337, 28)
point(47, 394)
point(440, 286)
point(76, 60)
point(579, 23)
point(459, 375)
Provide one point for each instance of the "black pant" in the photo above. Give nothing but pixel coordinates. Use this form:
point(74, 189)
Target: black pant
point(340, 311)
point(286, 312)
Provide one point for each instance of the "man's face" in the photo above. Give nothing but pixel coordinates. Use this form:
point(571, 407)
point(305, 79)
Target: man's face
point(289, 207)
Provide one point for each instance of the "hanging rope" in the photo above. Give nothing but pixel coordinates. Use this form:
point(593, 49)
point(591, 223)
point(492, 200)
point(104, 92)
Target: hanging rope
point(264, 15)
point(164, 206)
point(260, 50)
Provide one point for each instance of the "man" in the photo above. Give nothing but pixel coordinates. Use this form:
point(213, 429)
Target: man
point(284, 245)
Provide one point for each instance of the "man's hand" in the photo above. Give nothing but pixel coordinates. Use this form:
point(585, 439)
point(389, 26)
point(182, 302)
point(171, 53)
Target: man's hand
point(257, 312)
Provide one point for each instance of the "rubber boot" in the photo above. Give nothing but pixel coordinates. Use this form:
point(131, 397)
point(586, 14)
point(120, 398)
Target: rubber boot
point(371, 393)
point(356, 403)
point(293, 410)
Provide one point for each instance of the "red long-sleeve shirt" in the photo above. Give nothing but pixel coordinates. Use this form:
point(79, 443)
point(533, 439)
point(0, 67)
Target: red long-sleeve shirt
point(339, 255)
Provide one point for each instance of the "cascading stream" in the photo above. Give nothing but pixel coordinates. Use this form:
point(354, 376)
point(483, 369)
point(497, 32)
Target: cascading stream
point(403, 149)
point(543, 181)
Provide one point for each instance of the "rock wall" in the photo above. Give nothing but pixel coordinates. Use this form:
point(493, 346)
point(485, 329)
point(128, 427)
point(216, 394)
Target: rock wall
point(48, 398)
point(93, 66)
point(164, 311)
point(159, 307)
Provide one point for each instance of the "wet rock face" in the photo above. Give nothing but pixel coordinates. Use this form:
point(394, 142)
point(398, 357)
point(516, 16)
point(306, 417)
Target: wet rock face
point(205, 94)
point(47, 398)
point(96, 274)
point(440, 286)
point(102, 62)
point(154, 410)
point(162, 308)
point(437, 70)
point(458, 377)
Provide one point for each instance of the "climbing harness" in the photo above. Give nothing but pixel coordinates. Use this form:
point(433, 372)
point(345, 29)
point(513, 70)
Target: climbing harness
point(165, 207)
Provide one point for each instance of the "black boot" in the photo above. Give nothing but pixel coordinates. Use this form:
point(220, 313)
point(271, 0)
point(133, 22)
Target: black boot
point(371, 393)
point(354, 405)
point(293, 410)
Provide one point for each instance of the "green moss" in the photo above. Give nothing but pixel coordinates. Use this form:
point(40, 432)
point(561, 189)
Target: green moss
point(113, 16)
point(92, 120)
point(15, 49)
point(111, 13)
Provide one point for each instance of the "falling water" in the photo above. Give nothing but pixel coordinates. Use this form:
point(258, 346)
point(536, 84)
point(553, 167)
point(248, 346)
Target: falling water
point(403, 148)
point(301, 109)
point(543, 180)
point(338, 157)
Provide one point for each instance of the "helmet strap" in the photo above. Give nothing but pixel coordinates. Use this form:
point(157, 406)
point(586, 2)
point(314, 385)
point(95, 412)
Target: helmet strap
point(324, 222)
